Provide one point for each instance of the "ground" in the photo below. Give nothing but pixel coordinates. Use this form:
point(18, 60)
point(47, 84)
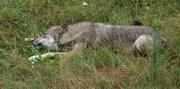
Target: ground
point(91, 69)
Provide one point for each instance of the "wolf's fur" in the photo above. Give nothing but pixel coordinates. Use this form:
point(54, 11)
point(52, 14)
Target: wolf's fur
point(143, 44)
point(80, 35)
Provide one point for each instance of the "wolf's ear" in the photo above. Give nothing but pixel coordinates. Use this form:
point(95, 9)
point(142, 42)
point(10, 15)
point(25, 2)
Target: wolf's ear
point(60, 30)
point(57, 29)
point(64, 28)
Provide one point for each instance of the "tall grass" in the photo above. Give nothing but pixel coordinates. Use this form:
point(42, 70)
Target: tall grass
point(91, 69)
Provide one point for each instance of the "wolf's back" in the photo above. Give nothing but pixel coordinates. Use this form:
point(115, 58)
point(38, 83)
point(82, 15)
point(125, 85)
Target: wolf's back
point(116, 33)
point(90, 32)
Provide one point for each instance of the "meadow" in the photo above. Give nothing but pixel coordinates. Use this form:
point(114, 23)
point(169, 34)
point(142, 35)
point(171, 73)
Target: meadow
point(91, 69)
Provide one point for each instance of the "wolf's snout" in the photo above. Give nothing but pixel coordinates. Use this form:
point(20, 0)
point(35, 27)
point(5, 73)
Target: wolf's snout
point(37, 44)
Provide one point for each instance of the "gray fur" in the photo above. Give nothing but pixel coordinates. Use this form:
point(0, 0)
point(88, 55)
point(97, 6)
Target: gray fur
point(92, 33)
point(81, 34)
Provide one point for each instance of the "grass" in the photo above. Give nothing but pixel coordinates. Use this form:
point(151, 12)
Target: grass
point(92, 69)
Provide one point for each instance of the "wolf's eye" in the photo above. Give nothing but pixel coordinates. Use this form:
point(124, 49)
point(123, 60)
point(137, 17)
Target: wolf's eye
point(44, 33)
point(46, 36)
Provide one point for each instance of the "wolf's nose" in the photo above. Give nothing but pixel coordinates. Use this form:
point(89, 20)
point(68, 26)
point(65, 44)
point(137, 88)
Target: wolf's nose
point(37, 45)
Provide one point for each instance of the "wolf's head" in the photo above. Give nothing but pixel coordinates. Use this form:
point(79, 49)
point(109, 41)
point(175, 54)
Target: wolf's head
point(49, 38)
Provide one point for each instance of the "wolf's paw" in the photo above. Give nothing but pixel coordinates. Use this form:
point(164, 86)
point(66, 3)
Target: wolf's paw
point(34, 58)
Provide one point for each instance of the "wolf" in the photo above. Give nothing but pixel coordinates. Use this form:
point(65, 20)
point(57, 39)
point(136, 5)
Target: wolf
point(81, 35)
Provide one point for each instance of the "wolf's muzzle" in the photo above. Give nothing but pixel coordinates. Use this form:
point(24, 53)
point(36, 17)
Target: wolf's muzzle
point(37, 44)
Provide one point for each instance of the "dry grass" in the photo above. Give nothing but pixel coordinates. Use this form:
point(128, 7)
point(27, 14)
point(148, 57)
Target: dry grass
point(92, 69)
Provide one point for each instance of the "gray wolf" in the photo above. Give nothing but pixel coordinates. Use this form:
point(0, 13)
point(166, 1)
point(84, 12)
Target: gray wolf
point(82, 34)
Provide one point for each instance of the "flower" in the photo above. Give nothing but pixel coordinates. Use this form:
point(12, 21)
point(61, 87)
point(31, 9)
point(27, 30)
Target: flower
point(84, 4)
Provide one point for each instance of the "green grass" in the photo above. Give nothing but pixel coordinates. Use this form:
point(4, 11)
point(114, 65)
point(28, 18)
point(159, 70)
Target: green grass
point(91, 69)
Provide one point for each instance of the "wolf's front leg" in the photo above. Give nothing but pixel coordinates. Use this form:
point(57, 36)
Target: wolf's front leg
point(50, 54)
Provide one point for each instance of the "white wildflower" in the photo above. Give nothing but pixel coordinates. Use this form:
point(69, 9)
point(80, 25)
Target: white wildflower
point(29, 39)
point(85, 4)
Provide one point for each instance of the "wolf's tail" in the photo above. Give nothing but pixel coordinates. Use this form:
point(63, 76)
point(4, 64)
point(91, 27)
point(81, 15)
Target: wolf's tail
point(137, 23)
